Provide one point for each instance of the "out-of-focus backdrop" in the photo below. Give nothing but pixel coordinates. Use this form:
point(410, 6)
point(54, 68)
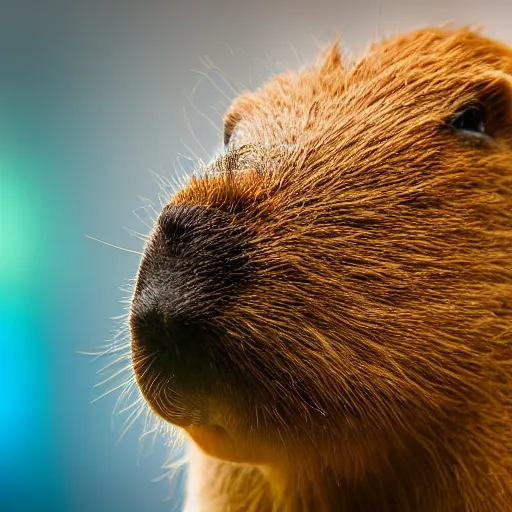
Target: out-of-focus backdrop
point(96, 97)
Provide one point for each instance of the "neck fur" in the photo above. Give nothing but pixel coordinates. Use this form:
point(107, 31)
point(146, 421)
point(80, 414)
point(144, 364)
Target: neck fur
point(421, 477)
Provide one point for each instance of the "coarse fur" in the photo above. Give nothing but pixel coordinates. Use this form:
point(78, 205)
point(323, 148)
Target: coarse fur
point(327, 309)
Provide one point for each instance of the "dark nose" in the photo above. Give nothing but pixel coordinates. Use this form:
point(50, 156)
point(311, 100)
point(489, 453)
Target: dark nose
point(192, 267)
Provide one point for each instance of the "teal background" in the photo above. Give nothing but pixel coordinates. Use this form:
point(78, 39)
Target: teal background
point(94, 98)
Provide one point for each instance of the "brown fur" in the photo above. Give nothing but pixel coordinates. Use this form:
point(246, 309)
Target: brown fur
point(365, 363)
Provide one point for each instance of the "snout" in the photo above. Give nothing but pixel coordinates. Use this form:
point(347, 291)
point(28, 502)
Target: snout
point(192, 266)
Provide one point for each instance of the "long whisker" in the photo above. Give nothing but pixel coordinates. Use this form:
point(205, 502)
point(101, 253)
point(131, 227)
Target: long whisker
point(132, 418)
point(109, 392)
point(107, 351)
point(205, 117)
point(192, 152)
point(131, 406)
point(295, 53)
point(205, 75)
point(137, 234)
point(136, 213)
point(117, 360)
point(194, 136)
point(114, 246)
point(212, 67)
point(114, 375)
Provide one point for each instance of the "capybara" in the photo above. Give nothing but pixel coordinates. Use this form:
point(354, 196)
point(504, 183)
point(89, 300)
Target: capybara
point(326, 309)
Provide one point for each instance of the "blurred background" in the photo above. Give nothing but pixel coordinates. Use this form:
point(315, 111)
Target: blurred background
point(95, 98)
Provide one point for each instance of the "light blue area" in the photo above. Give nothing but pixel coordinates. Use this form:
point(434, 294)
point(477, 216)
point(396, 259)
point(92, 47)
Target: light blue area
point(27, 448)
point(22, 379)
point(21, 382)
point(18, 227)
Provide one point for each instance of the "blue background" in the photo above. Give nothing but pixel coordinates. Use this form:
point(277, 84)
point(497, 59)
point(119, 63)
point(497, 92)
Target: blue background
point(95, 97)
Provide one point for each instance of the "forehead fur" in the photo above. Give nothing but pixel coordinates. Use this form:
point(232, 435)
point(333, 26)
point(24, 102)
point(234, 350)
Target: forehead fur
point(398, 93)
point(434, 58)
point(453, 51)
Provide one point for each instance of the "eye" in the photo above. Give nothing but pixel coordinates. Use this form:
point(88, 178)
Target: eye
point(471, 120)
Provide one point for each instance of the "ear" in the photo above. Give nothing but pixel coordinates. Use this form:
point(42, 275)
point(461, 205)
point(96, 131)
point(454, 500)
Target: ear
point(242, 107)
point(494, 92)
point(331, 59)
point(501, 91)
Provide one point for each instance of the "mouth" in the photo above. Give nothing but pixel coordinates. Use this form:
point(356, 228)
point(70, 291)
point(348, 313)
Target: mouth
point(200, 416)
point(170, 389)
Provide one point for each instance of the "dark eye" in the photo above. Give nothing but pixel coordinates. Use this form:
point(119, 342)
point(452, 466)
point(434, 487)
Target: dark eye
point(471, 120)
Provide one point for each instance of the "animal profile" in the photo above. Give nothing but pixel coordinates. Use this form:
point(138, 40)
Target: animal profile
point(326, 310)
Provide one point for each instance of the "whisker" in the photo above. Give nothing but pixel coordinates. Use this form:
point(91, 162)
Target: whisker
point(194, 136)
point(218, 110)
point(130, 387)
point(150, 204)
point(150, 227)
point(120, 317)
point(113, 376)
point(164, 185)
point(212, 82)
point(316, 42)
point(267, 65)
point(221, 74)
point(147, 433)
point(190, 160)
point(131, 406)
point(295, 53)
point(205, 117)
point(108, 392)
point(114, 246)
point(106, 352)
point(137, 234)
point(198, 160)
point(132, 418)
point(117, 360)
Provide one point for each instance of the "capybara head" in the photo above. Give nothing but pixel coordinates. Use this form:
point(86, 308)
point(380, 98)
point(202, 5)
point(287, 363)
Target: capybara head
point(332, 298)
